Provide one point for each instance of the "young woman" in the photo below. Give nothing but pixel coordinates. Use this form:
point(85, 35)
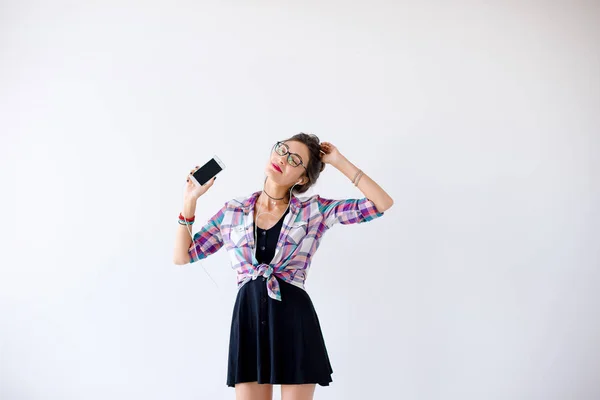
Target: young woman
point(271, 237)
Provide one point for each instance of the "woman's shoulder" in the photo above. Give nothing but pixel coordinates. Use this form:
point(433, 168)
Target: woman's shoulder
point(242, 201)
point(310, 201)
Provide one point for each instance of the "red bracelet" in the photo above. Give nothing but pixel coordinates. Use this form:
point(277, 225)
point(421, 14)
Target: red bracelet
point(182, 218)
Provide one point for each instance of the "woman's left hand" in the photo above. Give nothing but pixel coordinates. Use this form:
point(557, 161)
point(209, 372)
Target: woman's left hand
point(329, 153)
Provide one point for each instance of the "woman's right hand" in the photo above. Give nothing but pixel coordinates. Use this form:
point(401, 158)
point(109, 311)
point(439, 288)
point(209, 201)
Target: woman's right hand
point(192, 190)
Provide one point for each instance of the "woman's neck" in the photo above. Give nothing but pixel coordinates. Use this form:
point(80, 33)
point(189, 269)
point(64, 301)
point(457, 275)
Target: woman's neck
point(273, 195)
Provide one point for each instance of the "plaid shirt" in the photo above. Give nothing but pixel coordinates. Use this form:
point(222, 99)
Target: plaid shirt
point(303, 228)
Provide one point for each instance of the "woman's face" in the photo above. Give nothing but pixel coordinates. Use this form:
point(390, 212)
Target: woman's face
point(280, 170)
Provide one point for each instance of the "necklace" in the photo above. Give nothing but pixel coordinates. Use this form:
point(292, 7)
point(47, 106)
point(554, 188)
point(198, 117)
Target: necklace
point(273, 199)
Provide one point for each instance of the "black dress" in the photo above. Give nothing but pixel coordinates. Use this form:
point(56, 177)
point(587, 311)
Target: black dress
point(271, 341)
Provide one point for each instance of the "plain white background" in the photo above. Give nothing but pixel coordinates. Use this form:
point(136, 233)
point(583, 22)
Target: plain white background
point(481, 121)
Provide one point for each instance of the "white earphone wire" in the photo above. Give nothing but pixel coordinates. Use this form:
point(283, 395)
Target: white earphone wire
point(266, 212)
point(187, 225)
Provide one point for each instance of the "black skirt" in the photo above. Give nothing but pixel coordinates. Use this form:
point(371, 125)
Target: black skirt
point(276, 342)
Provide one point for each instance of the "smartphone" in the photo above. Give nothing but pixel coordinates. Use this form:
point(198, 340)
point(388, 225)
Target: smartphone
point(209, 170)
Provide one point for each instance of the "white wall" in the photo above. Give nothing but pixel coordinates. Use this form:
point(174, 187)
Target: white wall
point(481, 121)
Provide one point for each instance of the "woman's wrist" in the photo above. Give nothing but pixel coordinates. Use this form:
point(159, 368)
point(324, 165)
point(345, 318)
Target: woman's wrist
point(189, 208)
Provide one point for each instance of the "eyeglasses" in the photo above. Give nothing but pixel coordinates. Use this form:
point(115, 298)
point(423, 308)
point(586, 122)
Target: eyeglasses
point(293, 159)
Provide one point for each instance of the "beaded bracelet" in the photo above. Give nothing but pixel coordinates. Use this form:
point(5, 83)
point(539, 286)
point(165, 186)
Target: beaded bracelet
point(357, 177)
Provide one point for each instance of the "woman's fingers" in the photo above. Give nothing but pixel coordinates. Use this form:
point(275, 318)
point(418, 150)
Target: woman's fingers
point(192, 173)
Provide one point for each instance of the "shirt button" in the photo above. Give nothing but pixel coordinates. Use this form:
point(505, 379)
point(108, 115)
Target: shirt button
point(264, 233)
point(263, 300)
point(264, 322)
point(262, 248)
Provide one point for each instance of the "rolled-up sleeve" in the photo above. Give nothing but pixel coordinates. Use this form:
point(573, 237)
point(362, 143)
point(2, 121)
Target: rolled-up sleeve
point(207, 240)
point(349, 211)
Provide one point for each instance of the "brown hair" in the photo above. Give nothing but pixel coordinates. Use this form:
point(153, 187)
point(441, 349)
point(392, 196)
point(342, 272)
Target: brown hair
point(315, 166)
